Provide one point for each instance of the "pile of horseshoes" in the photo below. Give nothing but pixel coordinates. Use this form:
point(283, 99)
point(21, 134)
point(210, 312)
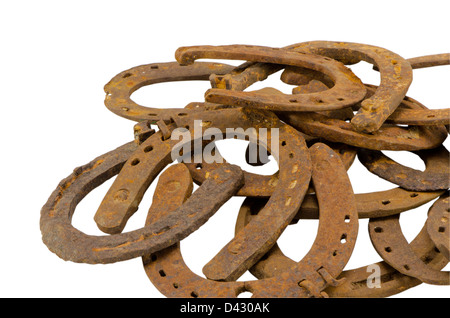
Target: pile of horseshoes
point(330, 119)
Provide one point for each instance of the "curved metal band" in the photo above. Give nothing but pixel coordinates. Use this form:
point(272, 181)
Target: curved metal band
point(368, 205)
point(435, 177)
point(438, 224)
point(388, 240)
point(347, 90)
point(387, 137)
point(355, 283)
point(142, 167)
point(391, 281)
point(326, 259)
point(71, 244)
point(424, 117)
point(396, 77)
point(119, 89)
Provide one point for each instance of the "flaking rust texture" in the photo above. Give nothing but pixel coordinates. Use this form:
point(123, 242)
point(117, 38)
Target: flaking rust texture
point(314, 134)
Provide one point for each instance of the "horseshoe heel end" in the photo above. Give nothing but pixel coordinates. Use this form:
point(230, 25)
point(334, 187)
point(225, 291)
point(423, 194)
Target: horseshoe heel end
point(184, 56)
point(367, 122)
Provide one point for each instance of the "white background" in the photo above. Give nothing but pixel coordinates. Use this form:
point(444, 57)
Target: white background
point(57, 55)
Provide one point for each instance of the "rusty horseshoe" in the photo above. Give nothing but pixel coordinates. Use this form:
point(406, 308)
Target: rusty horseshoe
point(308, 278)
point(347, 90)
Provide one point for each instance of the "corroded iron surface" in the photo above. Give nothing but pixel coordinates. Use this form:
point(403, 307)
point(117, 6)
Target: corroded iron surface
point(436, 175)
point(314, 134)
point(307, 278)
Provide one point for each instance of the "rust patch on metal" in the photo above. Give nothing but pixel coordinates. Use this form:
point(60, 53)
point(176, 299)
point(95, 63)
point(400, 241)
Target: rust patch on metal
point(71, 244)
point(317, 140)
point(438, 224)
point(435, 177)
point(346, 91)
point(307, 279)
point(391, 245)
point(119, 89)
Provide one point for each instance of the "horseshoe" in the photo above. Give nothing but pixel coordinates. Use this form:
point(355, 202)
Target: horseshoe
point(259, 185)
point(326, 259)
point(437, 225)
point(162, 205)
point(425, 116)
point(119, 89)
point(354, 283)
point(391, 281)
point(347, 90)
point(396, 77)
point(71, 244)
point(402, 115)
point(435, 177)
point(374, 204)
point(294, 175)
point(385, 138)
point(391, 245)
point(330, 127)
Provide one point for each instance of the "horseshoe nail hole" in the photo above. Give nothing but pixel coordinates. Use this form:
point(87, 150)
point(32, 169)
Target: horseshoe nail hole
point(413, 195)
point(291, 155)
point(320, 101)
point(335, 253)
point(388, 249)
point(426, 259)
point(126, 75)
point(385, 202)
point(194, 294)
point(135, 162)
point(378, 229)
point(431, 116)
point(162, 273)
point(148, 149)
point(347, 219)
point(154, 67)
point(175, 285)
point(344, 238)
point(340, 99)
point(406, 267)
point(198, 166)
point(152, 114)
point(182, 114)
point(153, 257)
point(436, 250)
point(441, 229)
point(125, 109)
point(292, 100)
point(283, 143)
